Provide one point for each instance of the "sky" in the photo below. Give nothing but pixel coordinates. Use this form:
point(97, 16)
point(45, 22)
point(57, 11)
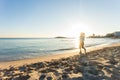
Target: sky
point(50, 18)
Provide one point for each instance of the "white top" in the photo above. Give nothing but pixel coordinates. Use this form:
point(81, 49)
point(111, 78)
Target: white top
point(82, 38)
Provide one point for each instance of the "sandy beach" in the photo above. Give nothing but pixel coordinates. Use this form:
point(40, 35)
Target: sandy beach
point(100, 63)
point(59, 40)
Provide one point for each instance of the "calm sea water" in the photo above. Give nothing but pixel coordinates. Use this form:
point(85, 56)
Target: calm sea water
point(16, 48)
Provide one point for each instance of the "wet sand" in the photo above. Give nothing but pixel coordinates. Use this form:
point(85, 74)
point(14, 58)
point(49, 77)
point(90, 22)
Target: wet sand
point(100, 63)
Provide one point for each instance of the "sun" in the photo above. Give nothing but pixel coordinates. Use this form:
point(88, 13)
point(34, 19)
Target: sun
point(75, 29)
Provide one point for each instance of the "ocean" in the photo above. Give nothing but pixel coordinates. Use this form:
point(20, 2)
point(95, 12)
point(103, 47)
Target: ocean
point(23, 48)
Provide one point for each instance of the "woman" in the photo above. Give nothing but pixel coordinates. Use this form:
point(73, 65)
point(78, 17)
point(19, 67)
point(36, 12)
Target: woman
point(81, 44)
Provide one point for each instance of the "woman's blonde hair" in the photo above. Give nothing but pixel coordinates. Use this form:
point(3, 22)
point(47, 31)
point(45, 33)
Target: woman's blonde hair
point(82, 34)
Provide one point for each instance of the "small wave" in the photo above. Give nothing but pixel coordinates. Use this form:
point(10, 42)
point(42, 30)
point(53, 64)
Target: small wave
point(90, 45)
point(64, 49)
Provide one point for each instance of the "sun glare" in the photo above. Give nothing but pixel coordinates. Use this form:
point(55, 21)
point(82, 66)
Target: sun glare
point(75, 30)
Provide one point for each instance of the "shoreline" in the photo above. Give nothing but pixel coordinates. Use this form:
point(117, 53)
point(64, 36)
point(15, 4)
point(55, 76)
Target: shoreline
point(17, 63)
point(100, 63)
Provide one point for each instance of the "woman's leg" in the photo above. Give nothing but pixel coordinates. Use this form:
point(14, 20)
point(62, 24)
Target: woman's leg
point(84, 50)
point(80, 51)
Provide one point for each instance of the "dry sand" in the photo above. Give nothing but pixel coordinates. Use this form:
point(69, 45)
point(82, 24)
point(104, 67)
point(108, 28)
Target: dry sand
point(100, 63)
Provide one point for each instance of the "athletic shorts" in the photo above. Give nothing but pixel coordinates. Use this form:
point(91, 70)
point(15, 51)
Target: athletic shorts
point(81, 45)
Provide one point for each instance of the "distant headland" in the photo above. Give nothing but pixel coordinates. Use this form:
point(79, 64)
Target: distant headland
point(60, 37)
